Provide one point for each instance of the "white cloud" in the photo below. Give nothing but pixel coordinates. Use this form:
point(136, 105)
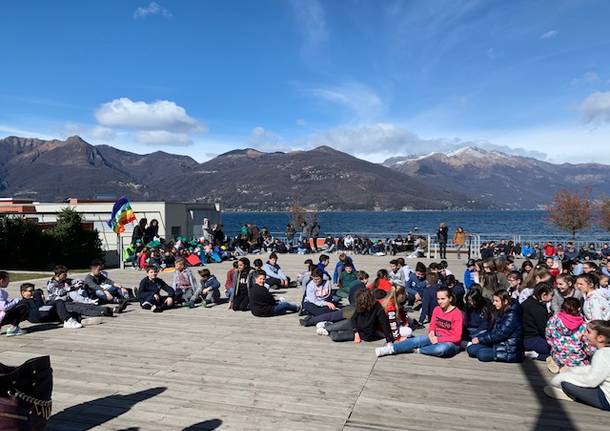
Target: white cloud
point(586, 79)
point(596, 107)
point(358, 98)
point(549, 34)
point(265, 140)
point(301, 122)
point(159, 115)
point(95, 133)
point(153, 8)
point(163, 138)
point(310, 15)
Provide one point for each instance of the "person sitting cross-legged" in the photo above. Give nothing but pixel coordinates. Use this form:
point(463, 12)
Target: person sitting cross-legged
point(184, 284)
point(149, 292)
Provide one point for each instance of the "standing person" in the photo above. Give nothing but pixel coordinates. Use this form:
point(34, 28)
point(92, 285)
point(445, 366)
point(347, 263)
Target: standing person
point(206, 231)
point(151, 231)
point(459, 239)
point(138, 231)
point(588, 384)
point(290, 232)
point(149, 292)
point(504, 341)
point(442, 236)
point(239, 299)
point(305, 231)
point(315, 234)
point(12, 311)
point(444, 333)
point(262, 302)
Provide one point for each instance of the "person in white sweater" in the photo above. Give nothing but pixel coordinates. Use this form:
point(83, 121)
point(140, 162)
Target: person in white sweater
point(588, 384)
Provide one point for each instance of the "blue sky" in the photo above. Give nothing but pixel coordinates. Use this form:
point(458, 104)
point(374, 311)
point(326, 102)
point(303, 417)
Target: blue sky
point(374, 78)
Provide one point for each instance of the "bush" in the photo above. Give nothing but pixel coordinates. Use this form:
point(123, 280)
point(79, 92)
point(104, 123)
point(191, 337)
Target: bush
point(24, 245)
point(73, 245)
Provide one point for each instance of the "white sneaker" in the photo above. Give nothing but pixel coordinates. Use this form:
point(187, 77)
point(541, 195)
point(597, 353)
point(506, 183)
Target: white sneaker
point(90, 321)
point(556, 393)
point(531, 354)
point(14, 331)
point(321, 324)
point(321, 331)
point(385, 350)
point(72, 324)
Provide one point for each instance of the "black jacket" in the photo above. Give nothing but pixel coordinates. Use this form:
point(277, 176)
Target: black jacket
point(150, 287)
point(368, 323)
point(262, 301)
point(535, 317)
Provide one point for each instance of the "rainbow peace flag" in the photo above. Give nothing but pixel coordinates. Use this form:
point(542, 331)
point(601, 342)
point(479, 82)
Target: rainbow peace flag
point(121, 215)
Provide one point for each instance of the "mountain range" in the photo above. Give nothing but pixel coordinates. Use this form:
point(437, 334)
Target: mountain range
point(320, 179)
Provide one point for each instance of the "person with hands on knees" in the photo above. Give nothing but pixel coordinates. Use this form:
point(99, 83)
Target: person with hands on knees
point(149, 292)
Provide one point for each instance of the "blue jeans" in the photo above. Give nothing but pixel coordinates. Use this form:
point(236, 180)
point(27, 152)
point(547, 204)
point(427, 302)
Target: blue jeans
point(425, 346)
point(101, 295)
point(481, 352)
point(283, 307)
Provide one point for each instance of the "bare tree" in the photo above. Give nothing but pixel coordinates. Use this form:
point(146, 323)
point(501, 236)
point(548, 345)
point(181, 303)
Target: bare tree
point(570, 211)
point(604, 216)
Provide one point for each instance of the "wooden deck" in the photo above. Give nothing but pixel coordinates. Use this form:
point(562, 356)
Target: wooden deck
point(216, 369)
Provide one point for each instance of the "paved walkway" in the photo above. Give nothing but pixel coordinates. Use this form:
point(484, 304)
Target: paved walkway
point(212, 368)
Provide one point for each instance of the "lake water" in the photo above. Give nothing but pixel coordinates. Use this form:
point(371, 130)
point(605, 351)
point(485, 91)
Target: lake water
point(488, 223)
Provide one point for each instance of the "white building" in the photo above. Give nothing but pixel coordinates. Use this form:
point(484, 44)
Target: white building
point(174, 218)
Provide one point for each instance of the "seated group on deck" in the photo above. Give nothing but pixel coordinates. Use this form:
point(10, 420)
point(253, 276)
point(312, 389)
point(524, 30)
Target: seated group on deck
point(501, 313)
point(559, 314)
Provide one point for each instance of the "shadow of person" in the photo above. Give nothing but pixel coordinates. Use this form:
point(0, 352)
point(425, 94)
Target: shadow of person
point(552, 415)
point(90, 414)
point(208, 425)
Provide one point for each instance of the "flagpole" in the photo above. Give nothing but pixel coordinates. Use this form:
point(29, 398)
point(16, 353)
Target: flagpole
point(119, 242)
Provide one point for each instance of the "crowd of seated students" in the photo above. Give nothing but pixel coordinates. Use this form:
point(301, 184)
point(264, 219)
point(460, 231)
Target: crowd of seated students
point(504, 313)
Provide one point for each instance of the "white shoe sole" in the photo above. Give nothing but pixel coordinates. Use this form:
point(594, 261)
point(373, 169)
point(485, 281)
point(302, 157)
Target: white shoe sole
point(556, 393)
point(91, 321)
